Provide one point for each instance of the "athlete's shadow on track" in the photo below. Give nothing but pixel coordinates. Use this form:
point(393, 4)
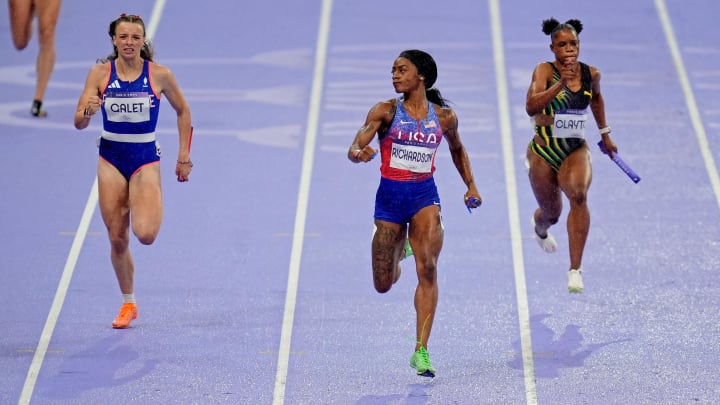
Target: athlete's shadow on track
point(418, 395)
point(552, 353)
point(100, 365)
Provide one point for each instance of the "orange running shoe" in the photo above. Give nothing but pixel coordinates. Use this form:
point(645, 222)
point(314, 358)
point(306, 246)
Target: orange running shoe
point(128, 312)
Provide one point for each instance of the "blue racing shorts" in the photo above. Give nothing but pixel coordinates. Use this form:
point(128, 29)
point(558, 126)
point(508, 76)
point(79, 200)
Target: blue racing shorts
point(399, 201)
point(129, 157)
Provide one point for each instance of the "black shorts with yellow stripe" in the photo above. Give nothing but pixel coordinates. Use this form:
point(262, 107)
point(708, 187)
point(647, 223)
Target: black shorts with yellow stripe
point(556, 150)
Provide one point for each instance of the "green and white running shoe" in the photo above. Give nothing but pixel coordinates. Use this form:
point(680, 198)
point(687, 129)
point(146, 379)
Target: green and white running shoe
point(420, 361)
point(407, 250)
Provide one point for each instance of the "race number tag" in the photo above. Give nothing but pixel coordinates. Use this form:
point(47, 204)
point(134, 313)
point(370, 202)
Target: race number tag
point(570, 124)
point(417, 159)
point(127, 107)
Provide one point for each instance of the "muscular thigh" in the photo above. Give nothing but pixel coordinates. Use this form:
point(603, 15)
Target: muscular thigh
point(112, 196)
point(145, 195)
point(543, 180)
point(576, 173)
point(426, 233)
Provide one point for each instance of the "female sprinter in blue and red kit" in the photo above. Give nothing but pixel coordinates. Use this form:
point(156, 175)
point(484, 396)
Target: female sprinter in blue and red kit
point(410, 129)
point(126, 87)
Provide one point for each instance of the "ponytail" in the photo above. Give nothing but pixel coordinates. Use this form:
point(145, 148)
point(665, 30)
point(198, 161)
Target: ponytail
point(427, 68)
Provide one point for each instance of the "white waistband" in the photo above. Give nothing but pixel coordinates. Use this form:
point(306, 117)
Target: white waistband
point(131, 138)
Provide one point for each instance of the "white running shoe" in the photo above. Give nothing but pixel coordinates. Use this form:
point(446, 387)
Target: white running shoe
point(547, 243)
point(575, 283)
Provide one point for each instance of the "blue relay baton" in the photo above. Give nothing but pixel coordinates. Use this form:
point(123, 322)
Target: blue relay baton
point(621, 164)
point(472, 202)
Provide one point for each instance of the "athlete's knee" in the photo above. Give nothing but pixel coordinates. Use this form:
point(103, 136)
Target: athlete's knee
point(382, 287)
point(146, 230)
point(145, 234)
point(548, 216)
point(119, 242)
point(21, 33)
point(46, 35)
point(21, 43)
point(382, 284)
point(146, 238)
point(383, 279)
point(427, 271)
point(577, 197)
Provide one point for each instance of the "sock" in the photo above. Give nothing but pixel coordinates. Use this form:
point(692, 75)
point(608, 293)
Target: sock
point(129, 298)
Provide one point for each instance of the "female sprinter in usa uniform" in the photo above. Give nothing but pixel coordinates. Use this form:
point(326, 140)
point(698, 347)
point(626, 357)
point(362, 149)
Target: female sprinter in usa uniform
point(410, 129)
point(558, 156)
point(126, 89)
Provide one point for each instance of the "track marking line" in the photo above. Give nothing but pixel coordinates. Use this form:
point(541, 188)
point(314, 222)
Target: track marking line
point(513, 206)
point(60, 293)
point(302, 203)
point(692, 107)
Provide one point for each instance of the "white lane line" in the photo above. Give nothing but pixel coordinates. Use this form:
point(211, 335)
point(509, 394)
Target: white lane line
point(60, 294)
point(75, 248)
point(152, 25)
point(692, 107)
point(302, 203)
point(513, 206)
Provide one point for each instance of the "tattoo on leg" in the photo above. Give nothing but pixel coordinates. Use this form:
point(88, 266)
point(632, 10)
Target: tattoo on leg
point(384, 255)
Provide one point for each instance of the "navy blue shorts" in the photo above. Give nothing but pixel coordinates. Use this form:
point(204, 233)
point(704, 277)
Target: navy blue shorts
point(129, 157)
point(399, 201)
